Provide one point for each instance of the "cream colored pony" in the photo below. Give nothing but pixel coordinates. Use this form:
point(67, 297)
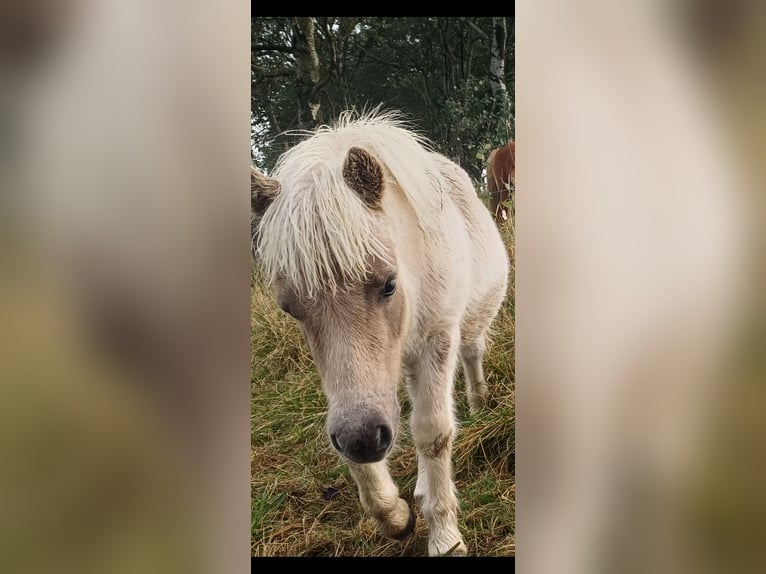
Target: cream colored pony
point(390, 263)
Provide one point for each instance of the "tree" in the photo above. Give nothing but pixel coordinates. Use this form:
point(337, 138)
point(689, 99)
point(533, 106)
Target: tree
point(436, 70)
point(307, 71)
point(497, 65)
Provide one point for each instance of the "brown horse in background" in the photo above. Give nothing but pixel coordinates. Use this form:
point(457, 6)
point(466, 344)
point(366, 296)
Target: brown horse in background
point(501, 178)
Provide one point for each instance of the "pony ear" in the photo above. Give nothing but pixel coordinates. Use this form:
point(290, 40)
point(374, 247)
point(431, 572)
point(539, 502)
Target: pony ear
point(263, 190)
point(364, 175)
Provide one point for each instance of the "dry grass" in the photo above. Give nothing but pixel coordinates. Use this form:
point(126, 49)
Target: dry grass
point(294, 469)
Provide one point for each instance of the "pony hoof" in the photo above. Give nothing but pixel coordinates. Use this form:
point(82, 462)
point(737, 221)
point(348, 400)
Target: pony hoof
point(456, 550)
point(445, 548)
point(409, 529)
point(459, 551)
point(477, 401)
point(476, 407)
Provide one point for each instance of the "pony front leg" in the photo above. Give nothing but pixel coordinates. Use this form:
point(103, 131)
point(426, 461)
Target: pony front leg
point(380, 499)
point(433, 430)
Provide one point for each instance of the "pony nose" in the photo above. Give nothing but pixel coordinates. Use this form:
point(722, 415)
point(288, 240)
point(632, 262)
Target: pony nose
point(367, 445)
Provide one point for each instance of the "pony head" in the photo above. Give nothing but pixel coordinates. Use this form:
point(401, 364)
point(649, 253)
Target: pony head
point(326, 244)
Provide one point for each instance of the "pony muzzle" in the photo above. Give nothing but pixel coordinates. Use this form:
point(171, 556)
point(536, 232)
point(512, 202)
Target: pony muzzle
point(369, 442)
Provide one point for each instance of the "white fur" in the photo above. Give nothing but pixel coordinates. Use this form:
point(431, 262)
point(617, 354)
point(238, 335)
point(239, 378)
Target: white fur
point(318, 219)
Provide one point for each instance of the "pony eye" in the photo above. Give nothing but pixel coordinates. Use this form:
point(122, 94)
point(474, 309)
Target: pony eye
point(389, 288)
point(286, 308)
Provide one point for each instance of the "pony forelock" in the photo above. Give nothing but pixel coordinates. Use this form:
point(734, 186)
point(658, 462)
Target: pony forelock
point(318, 231)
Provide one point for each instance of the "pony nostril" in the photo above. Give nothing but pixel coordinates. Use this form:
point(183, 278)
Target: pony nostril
point(383, 437)
point(335, 443)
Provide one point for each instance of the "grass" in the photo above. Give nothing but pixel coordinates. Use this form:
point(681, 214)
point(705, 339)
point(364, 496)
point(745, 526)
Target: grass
point(304, 501)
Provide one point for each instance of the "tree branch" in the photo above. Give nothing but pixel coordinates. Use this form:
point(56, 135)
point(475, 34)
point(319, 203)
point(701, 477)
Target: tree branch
point(271, 48)
point(265, 73)
point(476, 28)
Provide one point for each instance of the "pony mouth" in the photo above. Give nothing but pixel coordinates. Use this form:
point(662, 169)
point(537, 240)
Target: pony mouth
point(366, 459)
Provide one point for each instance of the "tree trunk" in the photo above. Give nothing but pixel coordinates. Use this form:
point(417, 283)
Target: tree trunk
point(307, 72)
point(497, 63)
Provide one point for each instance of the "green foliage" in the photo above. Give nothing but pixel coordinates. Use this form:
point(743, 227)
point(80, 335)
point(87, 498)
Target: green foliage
point(473, 126)
point(434, 69)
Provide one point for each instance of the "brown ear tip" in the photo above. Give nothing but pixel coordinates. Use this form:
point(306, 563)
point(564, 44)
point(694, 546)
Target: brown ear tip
point(364, 175)
point(263, 190)
point(355, 152)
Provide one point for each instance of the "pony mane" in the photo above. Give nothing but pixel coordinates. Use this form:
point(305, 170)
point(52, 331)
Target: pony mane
point(318, 230)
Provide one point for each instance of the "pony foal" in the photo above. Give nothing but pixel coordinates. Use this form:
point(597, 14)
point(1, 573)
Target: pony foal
point(383, 253)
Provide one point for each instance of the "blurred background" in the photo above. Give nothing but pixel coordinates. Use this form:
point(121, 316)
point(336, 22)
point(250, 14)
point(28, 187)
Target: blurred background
point(639, 293)
point(124, 286)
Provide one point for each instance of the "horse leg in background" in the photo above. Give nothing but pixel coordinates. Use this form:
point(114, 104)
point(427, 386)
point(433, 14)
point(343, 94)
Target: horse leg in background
point(498, 194)
point(511, 187)
point(430, 384)
point(501, 211)
point(380, 499)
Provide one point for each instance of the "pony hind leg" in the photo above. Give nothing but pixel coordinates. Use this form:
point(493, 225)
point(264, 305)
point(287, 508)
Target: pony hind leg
point(380, 499)
point(472, 355)
point(473, 341)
